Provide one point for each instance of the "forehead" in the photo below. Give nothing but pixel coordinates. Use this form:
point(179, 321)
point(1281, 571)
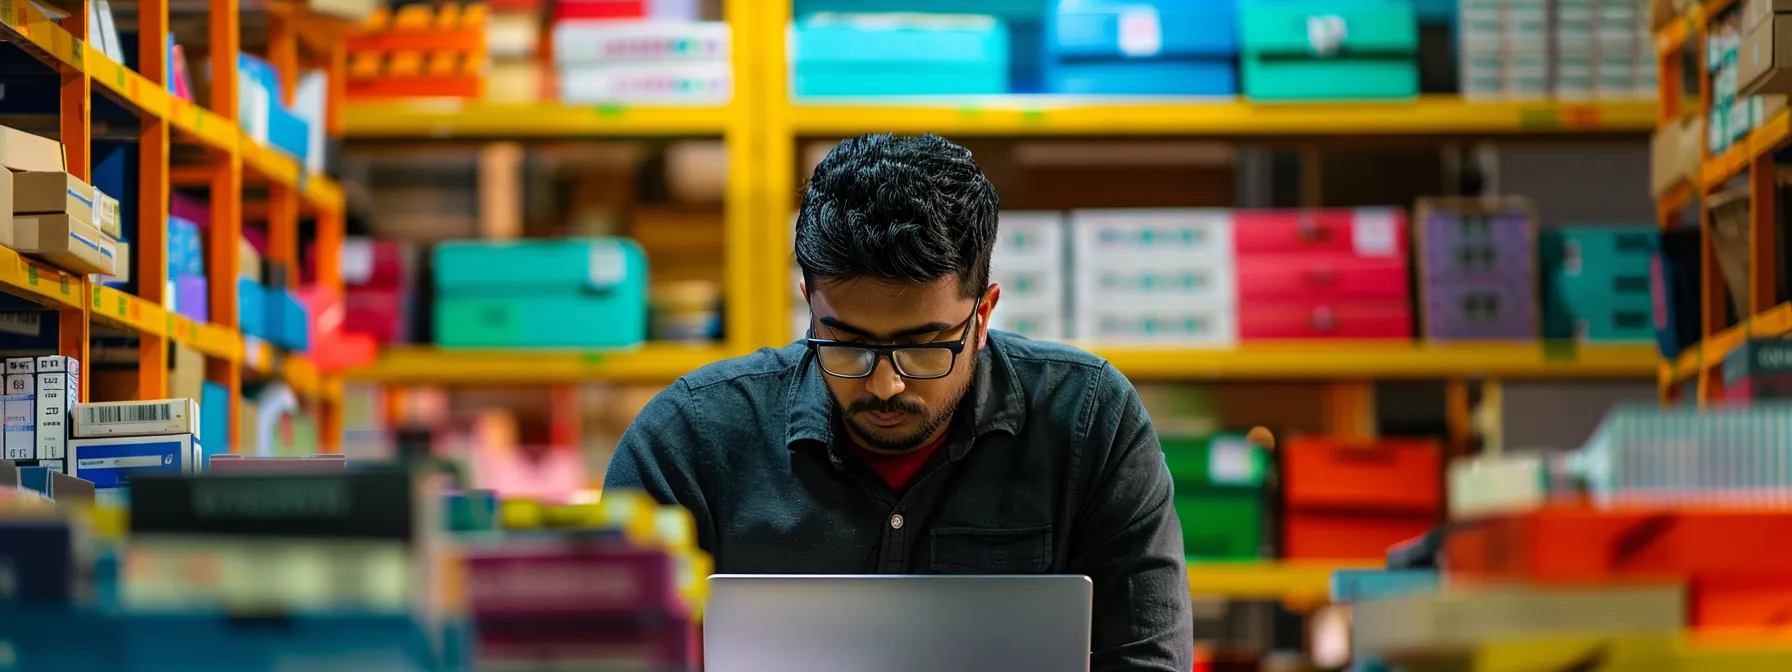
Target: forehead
point(880, 306)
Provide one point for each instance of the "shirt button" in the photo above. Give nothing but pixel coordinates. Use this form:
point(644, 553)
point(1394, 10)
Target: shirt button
point(896, 522)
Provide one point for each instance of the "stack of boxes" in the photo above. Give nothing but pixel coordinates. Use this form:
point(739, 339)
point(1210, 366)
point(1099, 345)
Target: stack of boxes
point(1569, 49)
point(1346, 499)
point(1219, 483)
point(377, 288)
point(513, 34)
point(1154, 276)
point(1596, 283)
point(420, 50)
point(1028, 262)
point(1503, 48)
point(899, 54)
point(646, 62)
point(578, 293)
point(1161, 47)
point(117, 441)
point(264, 113)
point(54, 215)
point(1322, 274)
point(187, 294)
point(1329, 49)
point(1732, 114)
point(40, 391)
point(1478, 269)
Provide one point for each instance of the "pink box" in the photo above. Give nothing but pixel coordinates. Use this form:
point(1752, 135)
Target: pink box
point(612, 581)
point(1320, 275)
point(623, 644)
point(1358, 232)
point(377, 312)
point(1321, 319)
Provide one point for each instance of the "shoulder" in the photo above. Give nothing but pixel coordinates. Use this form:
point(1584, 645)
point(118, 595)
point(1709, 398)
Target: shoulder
point(1043, 364)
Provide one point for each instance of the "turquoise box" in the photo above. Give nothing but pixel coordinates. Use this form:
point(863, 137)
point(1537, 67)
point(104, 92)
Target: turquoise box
point(1596, 283)
point(900, 55)
point(575, 293)
point(1329, 49)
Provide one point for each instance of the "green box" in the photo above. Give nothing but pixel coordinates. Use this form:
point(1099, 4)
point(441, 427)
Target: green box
point(1221, 525)
point(1222, 461)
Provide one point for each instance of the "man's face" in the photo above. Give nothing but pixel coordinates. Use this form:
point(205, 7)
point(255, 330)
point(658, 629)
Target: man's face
point(884, 411)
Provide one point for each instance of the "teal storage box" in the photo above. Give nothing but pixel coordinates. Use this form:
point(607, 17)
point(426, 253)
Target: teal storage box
point(899, 55)
point(1329, 49)
point(251, 308)
point(581, 293)
point(1596, 283)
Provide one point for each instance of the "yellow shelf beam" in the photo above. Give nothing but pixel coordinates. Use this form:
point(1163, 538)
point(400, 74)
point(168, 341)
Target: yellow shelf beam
point(129, 312)
point(655, 363)
point(1053, 115)
point(1354, 360)
point(454, 119)
point(1764, 140)
point(1290, 580)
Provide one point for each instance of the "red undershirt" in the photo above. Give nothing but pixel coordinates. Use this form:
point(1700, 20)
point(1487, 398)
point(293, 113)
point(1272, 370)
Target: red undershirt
point(898, 470)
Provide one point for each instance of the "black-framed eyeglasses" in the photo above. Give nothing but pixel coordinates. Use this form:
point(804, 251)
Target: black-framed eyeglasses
point(914, 361)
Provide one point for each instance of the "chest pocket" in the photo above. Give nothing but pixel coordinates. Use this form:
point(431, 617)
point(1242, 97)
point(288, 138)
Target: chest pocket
point(967, 550)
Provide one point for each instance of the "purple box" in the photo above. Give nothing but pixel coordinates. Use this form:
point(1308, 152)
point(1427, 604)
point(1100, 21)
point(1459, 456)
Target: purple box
point(1461, 246)
point(1489, 310)
point(590, 582)
point(192, 298)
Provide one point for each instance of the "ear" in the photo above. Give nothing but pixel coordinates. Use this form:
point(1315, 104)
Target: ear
point(990, 297)
point(803, 289)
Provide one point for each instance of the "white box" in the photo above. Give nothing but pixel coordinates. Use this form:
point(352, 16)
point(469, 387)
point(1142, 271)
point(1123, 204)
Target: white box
point(1029, 240)
point(109, 462)
point(648, 83)
point(19, 409)
point(1212, 325)
point(58, 388)
point(137, 418)
point(1128, 238)
point(1032, 303)
point(597, 41)
point(1157, 286)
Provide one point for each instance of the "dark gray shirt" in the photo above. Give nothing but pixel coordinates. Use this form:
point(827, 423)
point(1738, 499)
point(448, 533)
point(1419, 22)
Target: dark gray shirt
point(1050, 466)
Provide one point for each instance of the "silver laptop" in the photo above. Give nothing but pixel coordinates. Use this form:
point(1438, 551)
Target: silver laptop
point(889, 623)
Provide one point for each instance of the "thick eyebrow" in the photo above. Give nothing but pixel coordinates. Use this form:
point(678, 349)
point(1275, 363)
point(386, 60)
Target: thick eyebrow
point(834, 323)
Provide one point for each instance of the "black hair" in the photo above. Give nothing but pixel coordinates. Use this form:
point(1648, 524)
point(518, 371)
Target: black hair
point(908, 209)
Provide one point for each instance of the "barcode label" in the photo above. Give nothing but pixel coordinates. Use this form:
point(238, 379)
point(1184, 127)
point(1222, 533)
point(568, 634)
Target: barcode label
point(112, 415)
point(27, 324)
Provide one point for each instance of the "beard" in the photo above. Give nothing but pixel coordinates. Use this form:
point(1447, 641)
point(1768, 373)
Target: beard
point(878, 439)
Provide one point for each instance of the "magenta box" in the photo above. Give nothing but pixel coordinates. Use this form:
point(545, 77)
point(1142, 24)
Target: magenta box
point(193, 210)
point(592, 582)
point(633, 644)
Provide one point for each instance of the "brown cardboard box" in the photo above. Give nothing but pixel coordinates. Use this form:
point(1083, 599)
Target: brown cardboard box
point(1756, 12)
point(52, 193)
point(1764, 62)
point(6, 182)
point(1673, 156)
point(69, 243)
point(186, 377)
point(21, 151)
point(121, 272)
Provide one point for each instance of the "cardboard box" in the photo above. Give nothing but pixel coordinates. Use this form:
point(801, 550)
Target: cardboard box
point(72, 244)
point(50, 194)
point(19, 409)
point(105, 215)
point(137, 418)
point(1673, 156)
point(186, 376)
point(6, 184)
point(21, 152)
point(1757, 12)
point(1764, 62)
point(121, 272)
point(109, 463)
point(58, 388)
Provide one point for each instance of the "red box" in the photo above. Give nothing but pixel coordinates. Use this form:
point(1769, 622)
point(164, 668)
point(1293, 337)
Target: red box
point(1338, 535)
point(1385, 475)
point(621, 644)
point(380, 313)
point(1358, 232)
point(600, 9)
point(1369, 318)
point(1320, 274)
point(374, 263)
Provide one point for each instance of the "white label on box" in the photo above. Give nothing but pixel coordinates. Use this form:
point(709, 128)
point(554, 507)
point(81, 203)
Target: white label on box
point(1373, 234)
point(1229, 462)
point(357, 261)
point(609, 266)
point(1141, 34)
point(21, 365)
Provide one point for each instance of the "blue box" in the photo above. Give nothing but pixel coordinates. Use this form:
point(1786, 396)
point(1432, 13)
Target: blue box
point(251, 308)
point(214, 421)
point(186, 250)
point(871, 55)
point(288, 323)
point(60, 637)
point(109, 462)
point(1161, 47)
point(582, 293)
point(1356, 585)
point(1025, 19)
point(289, 133)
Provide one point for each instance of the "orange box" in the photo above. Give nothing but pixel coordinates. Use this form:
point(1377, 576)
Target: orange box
point(1313, 535)
point(1743, 604)
point(1390, 475)
point(1570, 544)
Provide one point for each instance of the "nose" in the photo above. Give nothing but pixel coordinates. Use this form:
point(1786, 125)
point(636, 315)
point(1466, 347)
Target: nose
point(884, 381)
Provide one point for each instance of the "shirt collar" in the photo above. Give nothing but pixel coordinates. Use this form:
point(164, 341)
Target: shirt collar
point(996, 402)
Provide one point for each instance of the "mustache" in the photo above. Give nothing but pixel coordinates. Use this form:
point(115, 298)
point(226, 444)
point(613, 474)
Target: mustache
point(891, 405)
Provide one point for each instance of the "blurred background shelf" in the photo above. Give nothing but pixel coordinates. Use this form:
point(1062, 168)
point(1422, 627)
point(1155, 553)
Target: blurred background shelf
point(477, 120)
point(1345, 360)
point(654, 363)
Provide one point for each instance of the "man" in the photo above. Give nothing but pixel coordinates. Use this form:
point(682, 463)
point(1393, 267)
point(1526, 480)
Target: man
point(905, 437)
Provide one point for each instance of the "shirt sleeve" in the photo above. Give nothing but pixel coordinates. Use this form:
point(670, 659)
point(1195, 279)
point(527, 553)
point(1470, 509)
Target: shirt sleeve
point(656, 453)
point(1129, 541)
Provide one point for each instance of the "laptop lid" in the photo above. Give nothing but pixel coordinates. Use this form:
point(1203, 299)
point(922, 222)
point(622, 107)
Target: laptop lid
point(891, 623)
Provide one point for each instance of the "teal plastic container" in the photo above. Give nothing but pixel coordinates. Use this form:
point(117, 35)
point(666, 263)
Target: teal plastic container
point(889, 56)
point(1596, 283)
point(1597, 251)
point(1329, 49)
point(571, 294)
